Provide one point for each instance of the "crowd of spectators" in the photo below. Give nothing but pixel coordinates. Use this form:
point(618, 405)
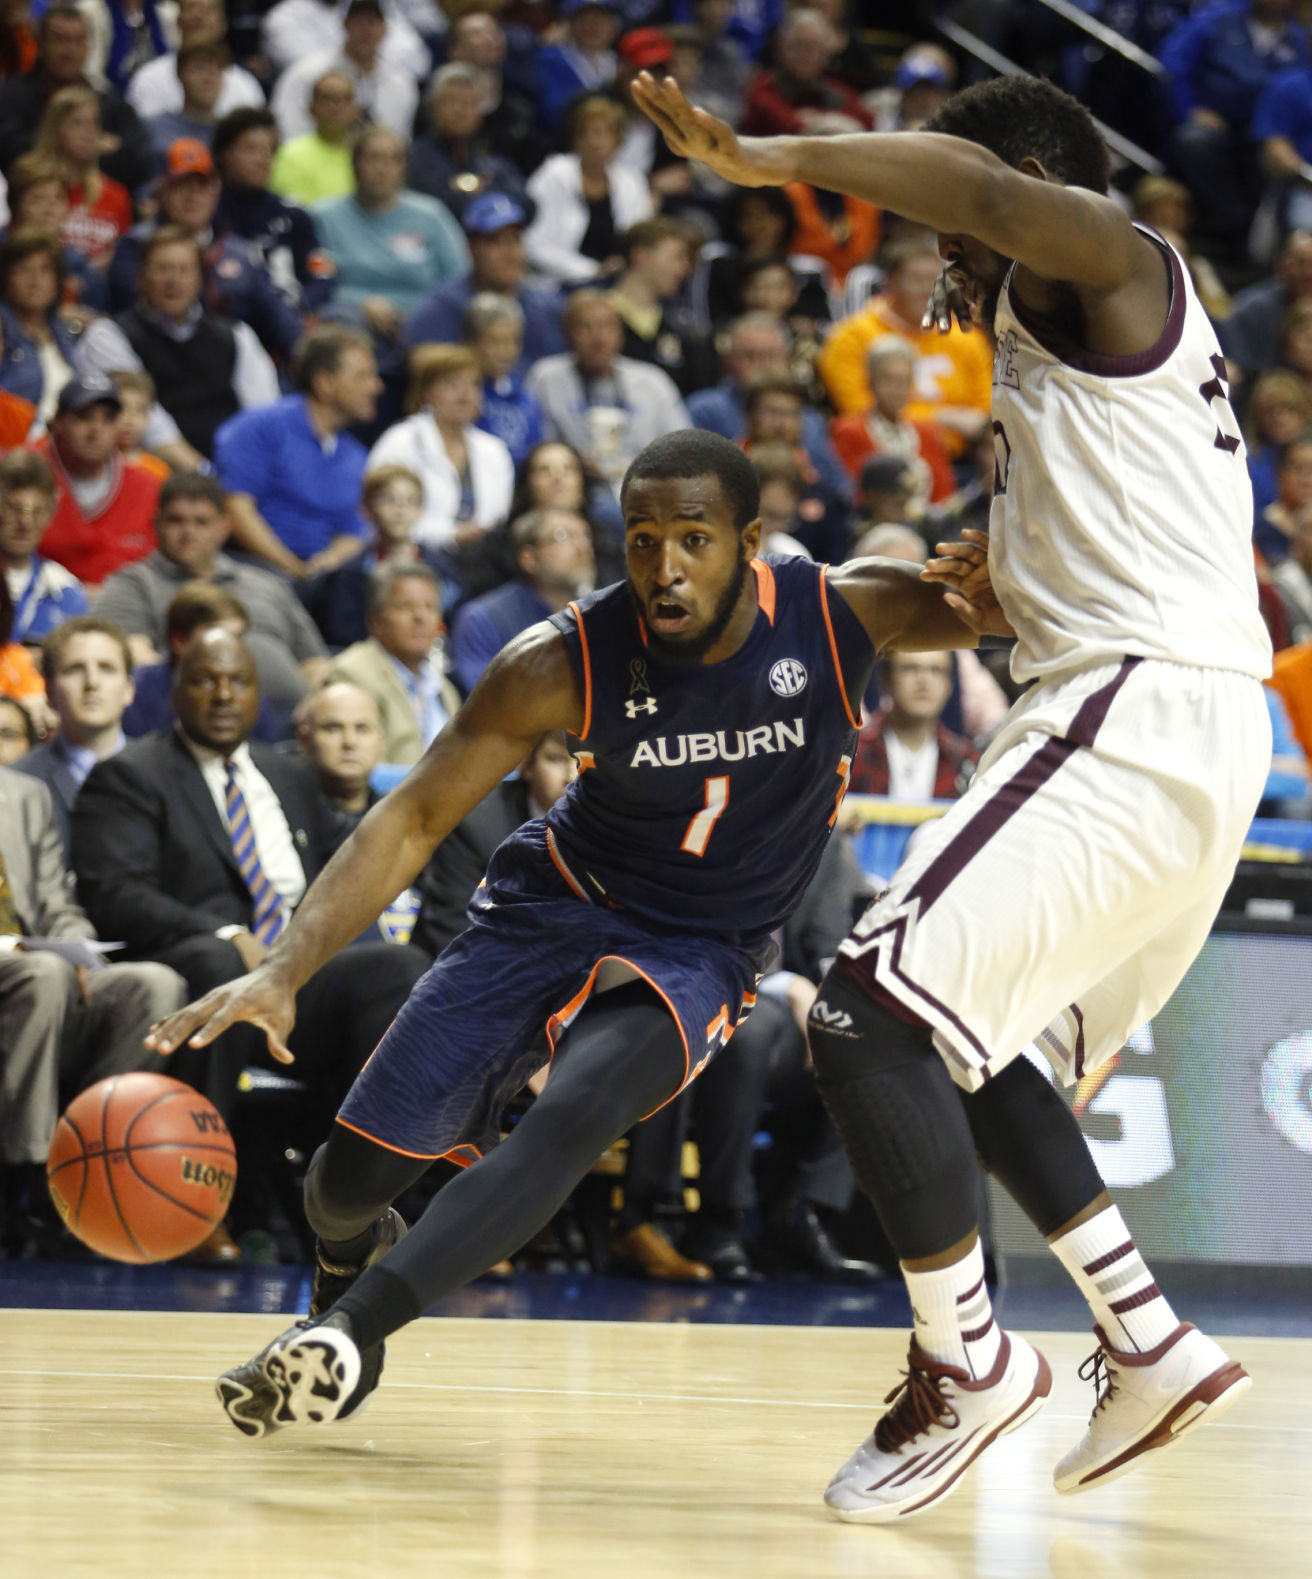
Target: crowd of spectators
point(327, 336)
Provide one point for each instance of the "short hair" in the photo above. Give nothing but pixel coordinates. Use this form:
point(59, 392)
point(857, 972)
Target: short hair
point(166, 236)
point(26, 469)
point(904, 250)
point(695, 452)
point(748, 268)
point(31, 170)
point(771, 384)
point(589, 296)
point(55, 644)
point(236, 123)
point(488, 307)
point(382, 578)
point(197, 604)
point(29, 723)
point(777, 463)
point(212, 49)
point(429, 364)
point(383, 477)
point(194, 486)
point(373, 133)
point(134, 380)
point(651, 233)
point(593, 107)
point(757, 320)
point(879, 540)
point(322, 350)
point(1020, 118)
point(325, 76)
point(456, 73)
point(887, 346)
point(62, 11)
point(527, 529)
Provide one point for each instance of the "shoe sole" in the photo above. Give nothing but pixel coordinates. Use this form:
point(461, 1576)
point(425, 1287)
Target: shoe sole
point(1205, 1401)
point(313, 1377)
point(233, 1395)
point(888, 1513)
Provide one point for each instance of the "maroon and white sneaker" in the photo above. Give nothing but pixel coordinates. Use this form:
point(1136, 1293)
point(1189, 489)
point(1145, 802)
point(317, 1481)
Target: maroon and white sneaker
point(1147, 1401)
point(940, 1423)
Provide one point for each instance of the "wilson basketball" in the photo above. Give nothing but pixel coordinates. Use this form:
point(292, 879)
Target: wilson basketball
point(141, 1167)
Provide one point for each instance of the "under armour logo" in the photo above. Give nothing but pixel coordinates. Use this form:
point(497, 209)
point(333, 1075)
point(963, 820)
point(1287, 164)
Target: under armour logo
point(836, 1019)
point(647, 705)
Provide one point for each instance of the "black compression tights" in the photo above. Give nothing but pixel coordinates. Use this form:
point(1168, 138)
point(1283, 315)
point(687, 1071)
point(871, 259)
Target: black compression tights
point(620, 1060)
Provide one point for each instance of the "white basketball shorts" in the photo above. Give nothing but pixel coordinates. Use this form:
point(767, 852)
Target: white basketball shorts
point(1062, 899)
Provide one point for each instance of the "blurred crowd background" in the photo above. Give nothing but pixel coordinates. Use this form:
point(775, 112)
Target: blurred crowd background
point(328, 331)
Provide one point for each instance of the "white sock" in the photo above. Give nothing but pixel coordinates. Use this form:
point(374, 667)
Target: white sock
point(1112, 1276)
point(952, 1315)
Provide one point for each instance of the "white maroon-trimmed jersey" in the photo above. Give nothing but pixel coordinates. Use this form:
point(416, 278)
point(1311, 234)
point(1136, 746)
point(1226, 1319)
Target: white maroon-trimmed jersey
point(1122, 518)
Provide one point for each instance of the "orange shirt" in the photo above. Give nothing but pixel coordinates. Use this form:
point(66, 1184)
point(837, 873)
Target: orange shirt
point(953, 369)
point(148, 463)
point(16, 418)
point(19, 675)
point(1291, 676)
point(843, 243)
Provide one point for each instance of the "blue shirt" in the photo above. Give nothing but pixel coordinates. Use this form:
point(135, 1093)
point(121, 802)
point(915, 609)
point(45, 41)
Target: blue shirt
point(512, 414)
point(484, 626)
point(1213, 63)
point(1285, 110)
point(397, 253)
point(440, 316)
point(308, 491)
point(44, 595)
point(425, 692)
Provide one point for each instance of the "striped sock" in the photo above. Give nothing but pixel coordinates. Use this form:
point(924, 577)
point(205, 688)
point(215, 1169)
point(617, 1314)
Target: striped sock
point(1112, 1276)
point(952, 1316)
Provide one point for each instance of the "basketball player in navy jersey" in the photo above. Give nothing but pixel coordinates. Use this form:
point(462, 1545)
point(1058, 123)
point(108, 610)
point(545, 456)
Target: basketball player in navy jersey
point(1062, 899)
point(714, 698)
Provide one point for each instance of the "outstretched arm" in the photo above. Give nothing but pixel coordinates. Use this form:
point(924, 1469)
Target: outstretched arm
point(903, 610)
point(529, 688)
point(957, 188)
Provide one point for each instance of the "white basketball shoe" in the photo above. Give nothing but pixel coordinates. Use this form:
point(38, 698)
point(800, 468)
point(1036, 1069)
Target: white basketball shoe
point(1147, 1401)
point(940, 1423)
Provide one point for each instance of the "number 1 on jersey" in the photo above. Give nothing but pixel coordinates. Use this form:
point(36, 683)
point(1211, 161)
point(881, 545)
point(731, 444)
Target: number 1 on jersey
point(699, 829)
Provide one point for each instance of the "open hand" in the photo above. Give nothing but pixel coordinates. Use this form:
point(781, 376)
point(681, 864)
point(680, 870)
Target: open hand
point(963, 571)
point(261, 999)
point(694, 133)
point(946, 302)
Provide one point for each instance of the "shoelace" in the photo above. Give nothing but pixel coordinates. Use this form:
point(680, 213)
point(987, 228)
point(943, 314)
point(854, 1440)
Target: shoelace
point(919, 1404)
point(1095, 1369)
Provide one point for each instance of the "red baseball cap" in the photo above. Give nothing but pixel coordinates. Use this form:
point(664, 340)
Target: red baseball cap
point(645, 47)
point(187, 156)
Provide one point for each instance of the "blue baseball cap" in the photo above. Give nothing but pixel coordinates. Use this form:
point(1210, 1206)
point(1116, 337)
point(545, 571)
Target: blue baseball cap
point(91, 389)
point(493, 211)
point(917, 67)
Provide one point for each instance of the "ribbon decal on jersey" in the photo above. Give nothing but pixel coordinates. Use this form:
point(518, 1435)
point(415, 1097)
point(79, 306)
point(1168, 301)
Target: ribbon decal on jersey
point(638, 687)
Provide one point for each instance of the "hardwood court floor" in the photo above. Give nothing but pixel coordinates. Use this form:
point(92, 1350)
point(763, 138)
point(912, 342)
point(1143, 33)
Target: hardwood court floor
point(562, 1450)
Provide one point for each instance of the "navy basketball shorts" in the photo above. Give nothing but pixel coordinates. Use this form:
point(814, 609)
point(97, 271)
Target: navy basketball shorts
point(470, 1034)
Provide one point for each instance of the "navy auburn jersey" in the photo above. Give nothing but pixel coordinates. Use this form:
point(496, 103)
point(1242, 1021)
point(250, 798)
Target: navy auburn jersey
point(708, 791)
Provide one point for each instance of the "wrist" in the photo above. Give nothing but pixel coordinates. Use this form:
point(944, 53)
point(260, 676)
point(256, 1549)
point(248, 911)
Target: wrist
point(777, 160)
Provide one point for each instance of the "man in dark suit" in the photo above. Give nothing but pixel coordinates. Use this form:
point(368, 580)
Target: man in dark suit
point(194, 846)
point(88, 673)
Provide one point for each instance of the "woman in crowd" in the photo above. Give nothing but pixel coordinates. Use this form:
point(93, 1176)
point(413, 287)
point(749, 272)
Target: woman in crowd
point(494, 331)
point(1279, 409)
point(759, 225)
point(99, 209)
point(552, 476)
point(38, 200)
point(885, 430)
point(18, 733)
point(38, 346)
point(468, 475)
point(1276, 524)
point(1296, 342)
point(586, 199)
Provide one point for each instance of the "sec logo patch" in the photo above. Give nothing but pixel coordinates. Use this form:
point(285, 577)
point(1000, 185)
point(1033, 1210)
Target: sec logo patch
point(788, 677)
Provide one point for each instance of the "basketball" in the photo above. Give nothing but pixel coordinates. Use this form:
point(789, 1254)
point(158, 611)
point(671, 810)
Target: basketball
point(141, 1167)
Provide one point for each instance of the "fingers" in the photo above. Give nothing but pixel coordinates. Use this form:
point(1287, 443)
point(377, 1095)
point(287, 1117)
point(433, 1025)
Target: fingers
point(973, 535)
point(198, 1024)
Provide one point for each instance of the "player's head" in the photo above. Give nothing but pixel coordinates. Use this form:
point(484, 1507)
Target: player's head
point(1035, 128)
point(691, 506)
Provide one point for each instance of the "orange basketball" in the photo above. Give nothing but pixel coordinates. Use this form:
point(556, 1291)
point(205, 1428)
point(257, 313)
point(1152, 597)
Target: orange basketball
point(141, 1167)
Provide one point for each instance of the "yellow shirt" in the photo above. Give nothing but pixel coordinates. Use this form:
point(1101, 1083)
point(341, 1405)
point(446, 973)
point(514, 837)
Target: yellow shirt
point(953, 369)
point(306, 170)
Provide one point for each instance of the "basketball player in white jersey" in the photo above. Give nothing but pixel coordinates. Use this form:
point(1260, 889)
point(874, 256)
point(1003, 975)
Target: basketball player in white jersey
point(1064, 897)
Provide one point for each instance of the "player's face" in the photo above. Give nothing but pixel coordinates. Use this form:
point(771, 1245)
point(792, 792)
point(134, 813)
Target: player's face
point(687, 562)
point(978, 272)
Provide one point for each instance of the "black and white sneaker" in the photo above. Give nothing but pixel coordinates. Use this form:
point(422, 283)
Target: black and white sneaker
point(251, 1400)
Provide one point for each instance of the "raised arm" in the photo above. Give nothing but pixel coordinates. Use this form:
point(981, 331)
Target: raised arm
point(529, 688)
point(903, 609)
point(1058, 232)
